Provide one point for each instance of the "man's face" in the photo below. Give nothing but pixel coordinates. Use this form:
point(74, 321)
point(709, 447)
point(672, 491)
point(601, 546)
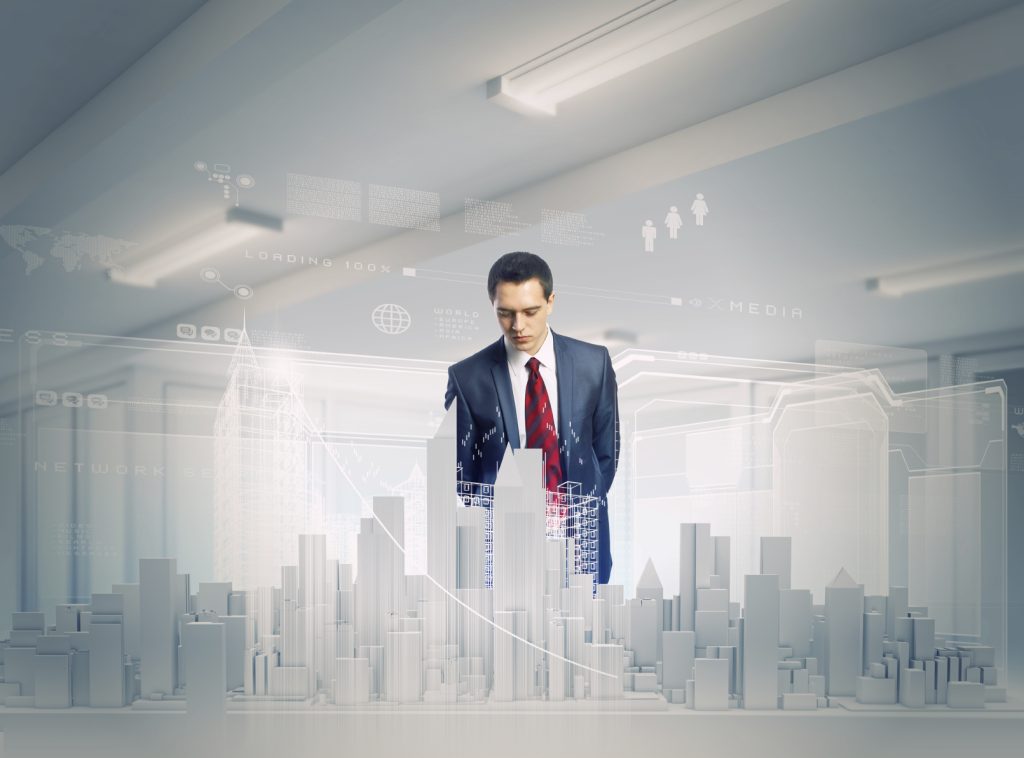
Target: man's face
point(523, 313)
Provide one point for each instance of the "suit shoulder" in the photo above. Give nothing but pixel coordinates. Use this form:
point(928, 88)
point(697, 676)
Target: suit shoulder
point(584, 348)
point(473, 361)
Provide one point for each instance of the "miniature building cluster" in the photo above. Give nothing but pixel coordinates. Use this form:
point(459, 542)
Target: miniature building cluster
point(528, 629)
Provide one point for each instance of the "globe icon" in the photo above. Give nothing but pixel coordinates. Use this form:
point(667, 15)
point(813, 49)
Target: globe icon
point(391, 318)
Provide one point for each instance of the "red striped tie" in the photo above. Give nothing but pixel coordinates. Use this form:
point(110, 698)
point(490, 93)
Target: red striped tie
point(540, 426)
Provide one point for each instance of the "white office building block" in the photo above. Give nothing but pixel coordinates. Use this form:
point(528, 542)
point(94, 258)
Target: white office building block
point(816, 683)
point(713, 600)
point(234, 649)
point(213, 597)
point(525, 662)
point(799, 701)
point(290, 583)
point(380, 581)
point(777, 558)
point(677, 661)
point(704, 556)
point(600, 622)
point(375, 655)
point(687, 576)
point(844, 640)
point(924, 638)
point(351, 681)
point(801, 681)
point(289, 681)
point(434, 616)
point(504, 656)
point(711, 684)
point(20, 668)
point(559, 672)
point(559, 565)
point(576, 599)
point(873, 691)
point(876, 604)
point(292, 643)
point(795, 621)
point(519, 538)
point(53, 679)
point(476, 635)
point(930, 682)
point(106, 664)
point(965, 695)
point(727, 653)
point(896, 607)
point(912, 688)
point(442, 504)
point(642, 634)
point(711, 628)
point(576, 652)
point(344, 640)
point(132, 612)
point(760, 642)
point(606, 659)
point(649, 588)
point(67, 617)
point(313, 584)
point(723, 561)
point(874, 631)
point(205, 668)
point(158, 583)
point(471, 548)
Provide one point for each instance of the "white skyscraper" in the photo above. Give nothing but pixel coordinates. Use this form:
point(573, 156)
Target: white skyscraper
point(442, 512)
point(380, 577)
point(844, 640)
point(519, 549)
point(262, 498)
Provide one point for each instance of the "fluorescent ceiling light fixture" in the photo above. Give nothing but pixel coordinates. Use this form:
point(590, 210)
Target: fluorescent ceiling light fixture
point(947, 275)
point(196, 246)
point(650, 31)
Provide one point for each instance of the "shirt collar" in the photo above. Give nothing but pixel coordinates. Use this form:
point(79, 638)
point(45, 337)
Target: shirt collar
point(546, 355)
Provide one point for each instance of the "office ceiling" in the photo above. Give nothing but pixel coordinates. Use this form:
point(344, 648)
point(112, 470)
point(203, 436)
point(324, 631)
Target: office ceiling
point(58, 55)
point(392, 93)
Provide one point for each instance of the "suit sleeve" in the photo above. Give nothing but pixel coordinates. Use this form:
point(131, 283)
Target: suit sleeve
point(452, 391)
point(463, 425)
point(606, 425)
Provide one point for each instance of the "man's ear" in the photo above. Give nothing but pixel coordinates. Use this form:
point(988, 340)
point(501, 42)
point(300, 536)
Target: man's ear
point(551, 302)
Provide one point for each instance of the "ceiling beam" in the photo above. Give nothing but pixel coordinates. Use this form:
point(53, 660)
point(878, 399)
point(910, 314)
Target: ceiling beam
point(179, 57)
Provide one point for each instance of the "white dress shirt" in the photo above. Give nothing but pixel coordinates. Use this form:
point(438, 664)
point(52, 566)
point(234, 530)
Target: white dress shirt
point(519, 374)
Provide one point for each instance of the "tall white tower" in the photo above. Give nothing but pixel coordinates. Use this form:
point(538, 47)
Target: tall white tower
point(262, 493)
point(519, 541)
point(442, 503)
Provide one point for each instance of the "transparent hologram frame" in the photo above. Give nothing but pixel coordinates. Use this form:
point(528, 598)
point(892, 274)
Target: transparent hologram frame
point(382, 407)
point(900, 489)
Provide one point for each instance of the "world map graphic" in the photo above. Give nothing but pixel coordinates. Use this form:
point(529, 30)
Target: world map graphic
point(37, 245)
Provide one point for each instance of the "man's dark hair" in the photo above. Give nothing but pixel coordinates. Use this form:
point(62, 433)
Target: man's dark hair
point(519, 267)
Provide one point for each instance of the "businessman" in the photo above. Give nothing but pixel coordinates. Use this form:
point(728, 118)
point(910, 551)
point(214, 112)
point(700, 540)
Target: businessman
point(534, 388)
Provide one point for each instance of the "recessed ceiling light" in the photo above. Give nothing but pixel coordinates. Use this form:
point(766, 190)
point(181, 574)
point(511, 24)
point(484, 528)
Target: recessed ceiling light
point(650, 31)
point(949, 274)
point(197, 245)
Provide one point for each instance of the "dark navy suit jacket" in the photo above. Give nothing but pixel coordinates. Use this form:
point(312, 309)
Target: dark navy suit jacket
point(588, 421)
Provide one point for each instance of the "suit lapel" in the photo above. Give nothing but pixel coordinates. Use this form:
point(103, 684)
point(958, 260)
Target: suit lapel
point(564, 372)
point(503, 387)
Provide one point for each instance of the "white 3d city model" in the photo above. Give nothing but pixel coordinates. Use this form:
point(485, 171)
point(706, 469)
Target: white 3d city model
point(529, 632)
